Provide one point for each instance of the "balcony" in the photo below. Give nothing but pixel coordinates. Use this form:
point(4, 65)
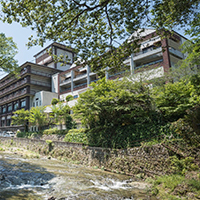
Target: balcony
point(175, 52)
point(150, 63)
point(65, 90)
point(40, 83)
point(66, 81)
point(80, 86)
point(14, 86)
point(80, 76)
point(12, 96)
point(40, 73)
point(147, 53)
point(12, 79)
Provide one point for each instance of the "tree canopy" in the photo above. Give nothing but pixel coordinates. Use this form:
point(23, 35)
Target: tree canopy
point(8, 50)
point(98, 30)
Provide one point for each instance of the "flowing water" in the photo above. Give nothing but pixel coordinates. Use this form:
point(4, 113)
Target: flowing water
point(38, 179)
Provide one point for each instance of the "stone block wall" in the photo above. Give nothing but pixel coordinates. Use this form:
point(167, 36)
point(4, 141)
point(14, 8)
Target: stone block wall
point(147, 160)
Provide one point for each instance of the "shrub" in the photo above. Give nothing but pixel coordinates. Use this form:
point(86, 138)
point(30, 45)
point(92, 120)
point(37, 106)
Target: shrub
point(23, 134)
point(52, 131)
point(69, 98)
point(76, 135)
point(54, 101)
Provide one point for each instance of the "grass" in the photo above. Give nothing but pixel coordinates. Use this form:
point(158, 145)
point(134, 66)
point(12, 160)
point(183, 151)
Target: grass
point(176, 186)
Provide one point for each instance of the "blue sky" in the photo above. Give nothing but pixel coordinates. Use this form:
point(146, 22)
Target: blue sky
point(20, 37)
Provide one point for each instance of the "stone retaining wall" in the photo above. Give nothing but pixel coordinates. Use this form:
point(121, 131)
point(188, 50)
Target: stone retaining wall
point(139, 160)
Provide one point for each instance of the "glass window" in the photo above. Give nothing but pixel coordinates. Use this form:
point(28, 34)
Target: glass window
point(23, 103)
point(9, 108)
point(4, 109)
point(16, 106)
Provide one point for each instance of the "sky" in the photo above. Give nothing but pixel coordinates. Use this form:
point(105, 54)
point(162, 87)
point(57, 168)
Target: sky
point(20, 36)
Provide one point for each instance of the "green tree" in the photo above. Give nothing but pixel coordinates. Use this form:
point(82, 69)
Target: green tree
point(54, 101)
point(21, 117)
point(61, 115)
point(114, 111)
point(95, 27)
point(8, 50)
point(38, 117)
point(173, 99)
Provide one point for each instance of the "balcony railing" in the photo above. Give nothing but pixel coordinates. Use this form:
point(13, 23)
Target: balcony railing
point(65, 90)
point(12, 96)
point(40, 73)
point(148, 64)
point(79, 75)
point(13, 86)
point(40, 83)
point(146, 51)
point(175, 52)
point(80, 85)
point(66, 81)
point(11, 79)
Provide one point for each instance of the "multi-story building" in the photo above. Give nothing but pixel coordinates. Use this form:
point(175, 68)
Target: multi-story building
point(45, 79)
point(156, 55)
point(33, 86)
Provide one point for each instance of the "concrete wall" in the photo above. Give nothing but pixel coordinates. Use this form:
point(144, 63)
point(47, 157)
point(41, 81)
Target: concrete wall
point(44, 98)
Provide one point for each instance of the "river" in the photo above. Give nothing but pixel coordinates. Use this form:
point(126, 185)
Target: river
point(43, 179)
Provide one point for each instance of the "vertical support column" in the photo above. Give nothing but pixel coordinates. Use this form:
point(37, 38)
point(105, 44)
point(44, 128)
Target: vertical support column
point(132, 64)
point(27, 103)
point(19, 104)
point(88, 75)
point(72, 81)
point(107, 75)
point(166, 56)
point(12, 106)
point(5, 121)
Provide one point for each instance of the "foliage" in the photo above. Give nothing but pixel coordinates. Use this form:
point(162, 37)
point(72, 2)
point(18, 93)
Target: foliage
point(176, 186)
point(21, 117)
point(173, 99)
point(38, 117)
point(52, 131)
point(61, 115)
point(76, 135)
point(193, 119)
point(54, 101)
point(115, 112)
point(8, 50)
point(97, 27)
point(24, 134)
point(180, 166)
point(69, 98)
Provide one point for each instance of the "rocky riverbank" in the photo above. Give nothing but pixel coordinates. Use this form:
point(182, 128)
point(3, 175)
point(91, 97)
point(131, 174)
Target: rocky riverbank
point(24, 175)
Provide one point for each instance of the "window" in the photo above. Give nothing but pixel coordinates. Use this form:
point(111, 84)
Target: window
point(23, 103)
point(16, 105)
point(33, 104)
point(8, 122)
point(9, 107)
point(4, 109)
point(75, 96)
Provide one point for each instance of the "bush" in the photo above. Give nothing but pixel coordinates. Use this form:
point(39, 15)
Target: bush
point(23, 134)
point(54, 101)
point(52, 131)
point(76, 135)
point(69, 98)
